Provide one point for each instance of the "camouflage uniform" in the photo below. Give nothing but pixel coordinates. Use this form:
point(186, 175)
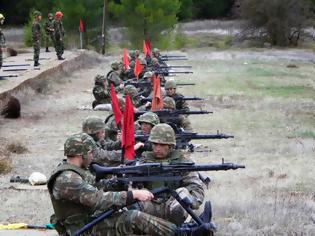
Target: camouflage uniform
point(180, 104)
point(36, 37)
point(100, 93)
point(111, 129)
point(113, 77)
point(149, 118)
point(190, 186)
point(75, 201)
point(49, 31)
point(2, 40)
point(181, 121)
point(133, 93)
point(59, 35)
point(91, 125)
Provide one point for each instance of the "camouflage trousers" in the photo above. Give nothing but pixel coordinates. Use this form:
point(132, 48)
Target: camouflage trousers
point(49, 37)
point(36, 45)
point(59, 47)
point(169, 210)
point(134, 222)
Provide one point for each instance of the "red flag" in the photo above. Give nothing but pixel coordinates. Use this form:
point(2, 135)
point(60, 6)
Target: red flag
point(145, 49)
point(138, 68)
point(148, 46)
point(81, 26)
point(128, 131)
point(125, 59)
point(115, 106)
point(157, 100)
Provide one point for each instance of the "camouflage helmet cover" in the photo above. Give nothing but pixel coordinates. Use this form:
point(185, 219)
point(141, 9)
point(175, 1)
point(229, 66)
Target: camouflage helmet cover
point(156, 50)
point(50, 15)
point(163, 134)
point(99, 79)
point(148, 74)
point(154, 60)
point(37, 13)
point(169, 103)
point(170, 84)
point(92, 125)
point(115, 65)
point(130, 90)
point(150, 118)
point(78, 144)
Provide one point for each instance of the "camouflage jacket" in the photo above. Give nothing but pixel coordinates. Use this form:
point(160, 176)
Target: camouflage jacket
point(113, 77)
point(191, 180)
point(74, 198)
point(101, 94)
point(49, 26)
point(106, 157)
point(180, 104)
point(2, 39)
point(36, 31)
point(59, 30)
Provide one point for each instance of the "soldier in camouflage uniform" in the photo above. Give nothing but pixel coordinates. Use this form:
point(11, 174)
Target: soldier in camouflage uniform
point(163, 141)
point(100, 93)
point(181, 121)
point(170, 88)
point(113, 77)
point(2, 40)
point(133, 94)
point(36, 36)
point(75, 200)
point(59, 34)
point(104, 152)
point(112, 132)
point(49, 31)
point(144, 125)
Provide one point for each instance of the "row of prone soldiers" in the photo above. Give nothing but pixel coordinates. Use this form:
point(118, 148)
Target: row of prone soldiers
point(76, 197)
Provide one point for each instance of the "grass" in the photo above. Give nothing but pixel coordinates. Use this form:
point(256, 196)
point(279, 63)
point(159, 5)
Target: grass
point(16, 147)
point(307, 134)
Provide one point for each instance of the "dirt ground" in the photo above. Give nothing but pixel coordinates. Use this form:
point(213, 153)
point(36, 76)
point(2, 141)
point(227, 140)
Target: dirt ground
point(267, 106)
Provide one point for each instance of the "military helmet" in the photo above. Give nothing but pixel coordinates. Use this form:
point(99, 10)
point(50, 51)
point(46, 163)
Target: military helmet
point(156, 50)
point(78, 144)
point(147, 74)
point(99, 79)
point(154, 60)
point(115, 65)
point(169, 103)
point(130, 90)
point(50, 15)
point(2, 17)
point(163, 134)
point(149, 117)
point(93, 124)
point(143, 62)
point(170, 84)
point(37, 13)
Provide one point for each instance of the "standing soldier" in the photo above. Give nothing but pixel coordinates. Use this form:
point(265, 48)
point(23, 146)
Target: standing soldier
point(2, 39)
point(36, 36)
point(49, 30)
point(59, 35)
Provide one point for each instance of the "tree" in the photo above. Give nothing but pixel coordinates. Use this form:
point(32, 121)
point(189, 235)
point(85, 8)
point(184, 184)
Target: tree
point(146, 18)
point(281, 22)
point(206, 9)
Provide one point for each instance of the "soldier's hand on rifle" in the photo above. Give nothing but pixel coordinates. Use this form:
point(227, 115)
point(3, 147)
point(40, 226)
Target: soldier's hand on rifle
point(138, 145)
point(148, 104)
point(142, 195)
point(121, 86)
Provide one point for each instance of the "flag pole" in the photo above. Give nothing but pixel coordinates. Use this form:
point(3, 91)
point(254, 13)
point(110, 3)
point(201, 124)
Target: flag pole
point(81, 40)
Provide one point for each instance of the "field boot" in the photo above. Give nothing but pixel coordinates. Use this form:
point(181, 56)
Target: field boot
point(47, 50)
point(36, 63)
point(206, 229)
point(60, 58)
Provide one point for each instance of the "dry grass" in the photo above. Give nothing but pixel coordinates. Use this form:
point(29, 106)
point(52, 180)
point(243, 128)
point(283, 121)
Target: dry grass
point(16, 147)
point(5, 160)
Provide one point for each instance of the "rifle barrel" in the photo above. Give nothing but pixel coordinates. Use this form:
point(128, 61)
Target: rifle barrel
point(14, 65)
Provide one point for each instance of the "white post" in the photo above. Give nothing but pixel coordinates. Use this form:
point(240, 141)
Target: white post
point(81, 41)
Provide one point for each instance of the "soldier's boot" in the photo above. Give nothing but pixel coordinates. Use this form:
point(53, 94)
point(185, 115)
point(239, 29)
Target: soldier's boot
point(206, 229)
point(47, 50)
point(60, 58)
point(36, 63)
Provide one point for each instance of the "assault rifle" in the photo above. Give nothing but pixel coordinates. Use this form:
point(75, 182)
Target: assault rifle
point(183, 138)
point(18, 69)
point(151, 172)
point(176, 99)
point(173, 58)
point(165, 113)
point(169, 67)
point(171, 73)
point(148, 84)
point(7, 76)
point(15, 65)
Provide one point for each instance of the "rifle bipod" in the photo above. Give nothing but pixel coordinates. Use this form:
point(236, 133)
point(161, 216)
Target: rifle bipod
point(185, 203)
